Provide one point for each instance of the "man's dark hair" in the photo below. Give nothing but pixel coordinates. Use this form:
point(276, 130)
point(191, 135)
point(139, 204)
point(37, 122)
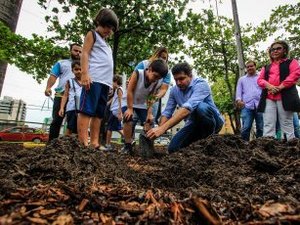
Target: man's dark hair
point(107, 18)
point(182, 67)
point(74, 44)
point(159, 66)
point(74, 63)
point(118, 80)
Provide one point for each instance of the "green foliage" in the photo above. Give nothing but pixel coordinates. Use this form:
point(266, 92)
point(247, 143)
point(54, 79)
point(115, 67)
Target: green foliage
point(144, 25)
point(34, 56)
point(283, 24)
point(222, 97)
point(213, 49)
point(285, 20)
point(211, 41)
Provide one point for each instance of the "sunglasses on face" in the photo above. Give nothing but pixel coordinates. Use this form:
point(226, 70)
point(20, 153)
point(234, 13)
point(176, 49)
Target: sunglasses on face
point(276, 49)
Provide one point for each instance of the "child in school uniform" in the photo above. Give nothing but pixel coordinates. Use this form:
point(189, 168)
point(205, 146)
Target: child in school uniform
point(70, 99)
point(97, 77)
point(117, 107)
point(142, 85)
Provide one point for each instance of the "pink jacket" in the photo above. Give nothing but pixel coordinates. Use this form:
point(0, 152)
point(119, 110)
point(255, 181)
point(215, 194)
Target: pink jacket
point(274, 77)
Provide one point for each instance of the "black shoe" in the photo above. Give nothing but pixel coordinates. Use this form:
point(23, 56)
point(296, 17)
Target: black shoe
point(127, 149)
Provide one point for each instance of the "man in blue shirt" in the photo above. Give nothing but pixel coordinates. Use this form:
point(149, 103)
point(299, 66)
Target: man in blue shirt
point(196, 107)
point(247, 98)
point(61, 71)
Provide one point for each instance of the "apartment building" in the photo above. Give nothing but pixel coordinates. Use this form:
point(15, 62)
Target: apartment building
point(12, 109)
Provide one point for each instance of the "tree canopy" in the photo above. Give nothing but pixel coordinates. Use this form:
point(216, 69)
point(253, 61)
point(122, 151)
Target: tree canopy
point(213, 48)
point(284, 23)
point(34, 56)
point(144, 25)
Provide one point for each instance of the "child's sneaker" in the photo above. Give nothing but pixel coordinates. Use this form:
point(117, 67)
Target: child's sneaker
point(108, 148)
point(133, 143)
point(102, 148)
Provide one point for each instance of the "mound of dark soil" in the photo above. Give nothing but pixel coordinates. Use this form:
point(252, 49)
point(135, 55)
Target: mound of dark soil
point(237, 179)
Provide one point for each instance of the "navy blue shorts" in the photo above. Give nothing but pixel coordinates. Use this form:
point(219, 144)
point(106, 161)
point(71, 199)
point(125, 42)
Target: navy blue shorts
point(113, 124)
point(138, 115)
point(93, 101)
point(72, 121)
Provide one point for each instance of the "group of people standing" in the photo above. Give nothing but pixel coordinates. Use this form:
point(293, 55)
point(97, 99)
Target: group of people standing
point(147, 84)
point(270, 97)
point(84, 86)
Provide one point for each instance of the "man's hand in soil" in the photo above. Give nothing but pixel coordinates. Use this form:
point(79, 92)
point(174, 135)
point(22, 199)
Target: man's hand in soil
point(155, 132)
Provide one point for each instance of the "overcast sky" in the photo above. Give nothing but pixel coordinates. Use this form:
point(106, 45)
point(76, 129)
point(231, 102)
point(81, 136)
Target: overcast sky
point(21, 86)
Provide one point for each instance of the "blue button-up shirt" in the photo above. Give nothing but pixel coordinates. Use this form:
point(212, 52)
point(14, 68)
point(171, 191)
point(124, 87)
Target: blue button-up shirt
point(248, 91)
point(198, 91)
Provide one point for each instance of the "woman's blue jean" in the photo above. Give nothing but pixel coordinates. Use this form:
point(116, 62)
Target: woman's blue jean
point(205, 121)
point(296, 125)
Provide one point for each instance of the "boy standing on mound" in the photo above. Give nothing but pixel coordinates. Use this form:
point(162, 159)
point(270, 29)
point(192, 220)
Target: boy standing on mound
point(97, 76)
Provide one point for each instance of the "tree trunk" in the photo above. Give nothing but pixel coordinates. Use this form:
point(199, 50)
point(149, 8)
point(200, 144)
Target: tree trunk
point(9, 15)
point(3, 66)
point(238, 38)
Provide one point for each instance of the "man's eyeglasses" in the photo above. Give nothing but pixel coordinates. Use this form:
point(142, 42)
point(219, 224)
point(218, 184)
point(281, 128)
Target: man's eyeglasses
point(276, 49)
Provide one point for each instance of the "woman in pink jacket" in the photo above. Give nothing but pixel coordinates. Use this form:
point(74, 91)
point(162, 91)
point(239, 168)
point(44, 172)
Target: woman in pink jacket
point(279, 98)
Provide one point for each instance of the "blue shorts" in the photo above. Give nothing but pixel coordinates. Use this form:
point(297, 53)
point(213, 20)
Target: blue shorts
point(138, 115)
point(93, 102)
point(72, 121)
point(113, 124)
